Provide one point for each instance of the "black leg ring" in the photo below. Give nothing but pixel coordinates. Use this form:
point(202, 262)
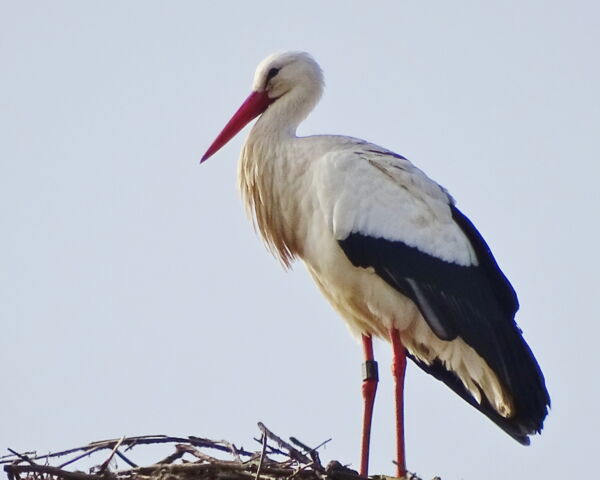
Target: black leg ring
point(370, 371)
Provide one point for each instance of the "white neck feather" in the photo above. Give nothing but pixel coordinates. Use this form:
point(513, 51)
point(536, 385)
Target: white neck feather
point(287, 112)
point(269, 162)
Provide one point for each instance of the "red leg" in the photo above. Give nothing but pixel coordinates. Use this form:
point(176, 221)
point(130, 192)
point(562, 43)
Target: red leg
point(398, 370)
point(369, 388)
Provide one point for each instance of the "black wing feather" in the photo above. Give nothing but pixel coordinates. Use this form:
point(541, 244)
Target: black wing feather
point(475, 303)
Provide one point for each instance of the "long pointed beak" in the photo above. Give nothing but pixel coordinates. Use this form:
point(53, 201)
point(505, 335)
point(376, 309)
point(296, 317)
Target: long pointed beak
point(253, 106)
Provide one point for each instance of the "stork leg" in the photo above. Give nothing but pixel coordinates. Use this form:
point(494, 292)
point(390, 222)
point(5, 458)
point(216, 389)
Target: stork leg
point(398, 370)
point(369, 388)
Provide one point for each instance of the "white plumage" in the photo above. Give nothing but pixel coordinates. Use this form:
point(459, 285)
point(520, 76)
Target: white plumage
point(341, 187)
point(384, 243)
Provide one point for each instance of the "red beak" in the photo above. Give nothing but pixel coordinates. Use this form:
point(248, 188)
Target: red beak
point(253, 106)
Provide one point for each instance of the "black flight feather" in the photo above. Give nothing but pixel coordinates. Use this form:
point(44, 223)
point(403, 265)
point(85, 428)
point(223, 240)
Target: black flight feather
point(476, 303)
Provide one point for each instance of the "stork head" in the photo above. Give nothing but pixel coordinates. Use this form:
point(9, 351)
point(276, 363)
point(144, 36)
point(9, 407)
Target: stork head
point(282, 73)
point(289, 83)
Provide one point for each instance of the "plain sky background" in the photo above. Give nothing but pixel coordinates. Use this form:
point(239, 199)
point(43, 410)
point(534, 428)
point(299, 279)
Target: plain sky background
point(135, 297)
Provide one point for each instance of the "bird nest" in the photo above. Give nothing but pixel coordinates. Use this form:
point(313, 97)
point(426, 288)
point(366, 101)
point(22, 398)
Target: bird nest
point(276, 459)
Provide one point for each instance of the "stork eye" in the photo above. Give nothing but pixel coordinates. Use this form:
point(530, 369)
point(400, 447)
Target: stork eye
point(274, 71)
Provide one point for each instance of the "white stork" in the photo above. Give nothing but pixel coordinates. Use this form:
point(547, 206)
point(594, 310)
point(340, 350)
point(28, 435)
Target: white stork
point(389, 249)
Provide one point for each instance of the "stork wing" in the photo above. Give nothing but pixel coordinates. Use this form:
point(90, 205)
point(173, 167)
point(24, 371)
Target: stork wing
point(393, 219)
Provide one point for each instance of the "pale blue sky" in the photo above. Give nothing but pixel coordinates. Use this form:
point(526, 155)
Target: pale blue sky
point(135, 297)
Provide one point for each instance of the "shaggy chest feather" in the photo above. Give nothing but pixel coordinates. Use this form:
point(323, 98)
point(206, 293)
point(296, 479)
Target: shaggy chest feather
point(269, 185)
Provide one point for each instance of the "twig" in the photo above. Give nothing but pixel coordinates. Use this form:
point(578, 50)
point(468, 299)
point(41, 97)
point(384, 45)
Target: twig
point(276, 460)
point(294, 453)
point(54, 471)
point(21, 456)
point(232, 449)
point(314, 454)
point(206, 443)
point(126, 460)
point(78, 457)
point(171, 458)
point(262, 457)
point(2, 457)
point(271, 448)
point(104, 466)
point(252, 459)
point(196, 453)
point(131, 442)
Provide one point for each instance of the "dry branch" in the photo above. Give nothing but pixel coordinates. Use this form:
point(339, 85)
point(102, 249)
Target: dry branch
point(277, 459)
